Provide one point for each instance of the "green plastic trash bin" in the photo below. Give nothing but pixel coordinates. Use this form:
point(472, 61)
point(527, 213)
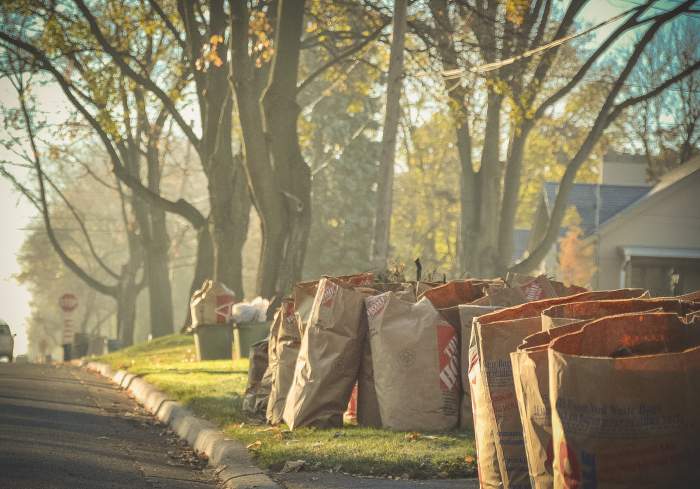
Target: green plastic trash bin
point(213, 341)
point(81, 342)
point(245, 335)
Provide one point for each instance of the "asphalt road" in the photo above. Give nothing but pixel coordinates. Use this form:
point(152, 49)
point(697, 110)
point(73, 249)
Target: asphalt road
point(64, 428)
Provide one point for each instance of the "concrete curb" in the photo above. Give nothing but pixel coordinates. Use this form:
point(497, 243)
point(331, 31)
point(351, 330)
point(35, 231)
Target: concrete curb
point(234, 466)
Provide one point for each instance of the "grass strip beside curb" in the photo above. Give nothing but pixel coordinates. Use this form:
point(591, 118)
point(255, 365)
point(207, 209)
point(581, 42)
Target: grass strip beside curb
point(214, 390)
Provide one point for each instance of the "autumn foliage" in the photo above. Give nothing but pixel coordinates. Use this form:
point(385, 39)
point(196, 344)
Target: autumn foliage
point(576, 263)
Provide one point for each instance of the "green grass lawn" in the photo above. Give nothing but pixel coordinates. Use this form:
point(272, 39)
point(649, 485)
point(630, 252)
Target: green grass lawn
point(214, 390)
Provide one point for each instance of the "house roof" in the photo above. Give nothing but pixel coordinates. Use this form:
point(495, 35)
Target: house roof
point(583, 196)
point(670, 179)
point(676, 175)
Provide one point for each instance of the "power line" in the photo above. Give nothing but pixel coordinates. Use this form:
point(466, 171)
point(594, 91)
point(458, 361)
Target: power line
point(457, 73)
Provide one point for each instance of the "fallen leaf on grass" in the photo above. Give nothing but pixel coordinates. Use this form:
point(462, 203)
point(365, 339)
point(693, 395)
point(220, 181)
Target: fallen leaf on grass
point(293, 466)
point(254, 446)
point(469, 459)
point(414, 436)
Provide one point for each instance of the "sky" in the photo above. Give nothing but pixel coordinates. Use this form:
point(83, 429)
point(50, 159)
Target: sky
point(17, 213)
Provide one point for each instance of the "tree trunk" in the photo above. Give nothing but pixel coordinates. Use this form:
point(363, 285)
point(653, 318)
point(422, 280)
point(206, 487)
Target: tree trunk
point(457, 104)
point(228, 219)
point(126, 305)
point(467, 196)
point(382, 222)
point(278, 176)
point(511, 194)
point(292, 174)
point(157, 259)
point(228, 198)
point(158, 278)
point(483, 253)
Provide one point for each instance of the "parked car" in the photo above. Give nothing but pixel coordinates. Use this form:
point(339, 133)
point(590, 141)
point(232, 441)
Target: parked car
point(7, 342)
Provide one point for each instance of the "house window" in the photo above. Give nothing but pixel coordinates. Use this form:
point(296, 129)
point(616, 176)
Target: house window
point(664, 276)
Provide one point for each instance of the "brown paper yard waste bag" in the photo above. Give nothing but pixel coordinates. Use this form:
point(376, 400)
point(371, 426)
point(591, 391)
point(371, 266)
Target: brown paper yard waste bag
point(256, 395)
point(467, 313)
point(559, 315)
point(268, 377)
point(329, 357)
point(528, 289)
point(414, 351)
point(367, 403)
point(304, 292)
point(447, 298)
point(496, 417)
point(531, 381)
point(211, 304)
point(531, 371)
point(288, 342)
point(624, 393)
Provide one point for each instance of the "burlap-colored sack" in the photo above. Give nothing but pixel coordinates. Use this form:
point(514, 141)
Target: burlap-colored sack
point(256, 396)
point(268, 377)
point(456, 292)
point(448, 297)
point(559, 315)
point(496, 335)
point(414, 351)
point(624, 392)
point(304, 292)
point(690, 297)
point(558, 288)
point(211, 304)
point(367, 403)
point(533, 289)
point(288, 342)
point(484, 436)
point(329, 358)
point(531, 381)
point(467, 312)
point(531, 370)
point(422, 287)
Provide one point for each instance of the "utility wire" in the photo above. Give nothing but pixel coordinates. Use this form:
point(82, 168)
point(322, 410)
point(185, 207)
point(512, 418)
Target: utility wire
point(457, 73)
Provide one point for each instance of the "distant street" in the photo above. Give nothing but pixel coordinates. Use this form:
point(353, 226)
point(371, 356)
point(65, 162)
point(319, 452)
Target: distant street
point(63, 428)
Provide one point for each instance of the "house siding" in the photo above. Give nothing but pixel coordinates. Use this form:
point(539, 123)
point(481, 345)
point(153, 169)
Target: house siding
point(671, 220)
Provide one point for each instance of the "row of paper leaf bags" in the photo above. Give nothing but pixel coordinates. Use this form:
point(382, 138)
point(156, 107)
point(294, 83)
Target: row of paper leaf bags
point(620, 369)
point(594, 390)
point(400, 344)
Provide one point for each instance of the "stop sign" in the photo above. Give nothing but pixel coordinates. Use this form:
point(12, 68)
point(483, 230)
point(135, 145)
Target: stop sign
point(68, 302)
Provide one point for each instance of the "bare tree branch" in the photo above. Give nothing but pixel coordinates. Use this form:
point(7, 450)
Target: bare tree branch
point(336, 59)
point(180, 207)
point(110, 290)
point(145, 82)
point(602, 121)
